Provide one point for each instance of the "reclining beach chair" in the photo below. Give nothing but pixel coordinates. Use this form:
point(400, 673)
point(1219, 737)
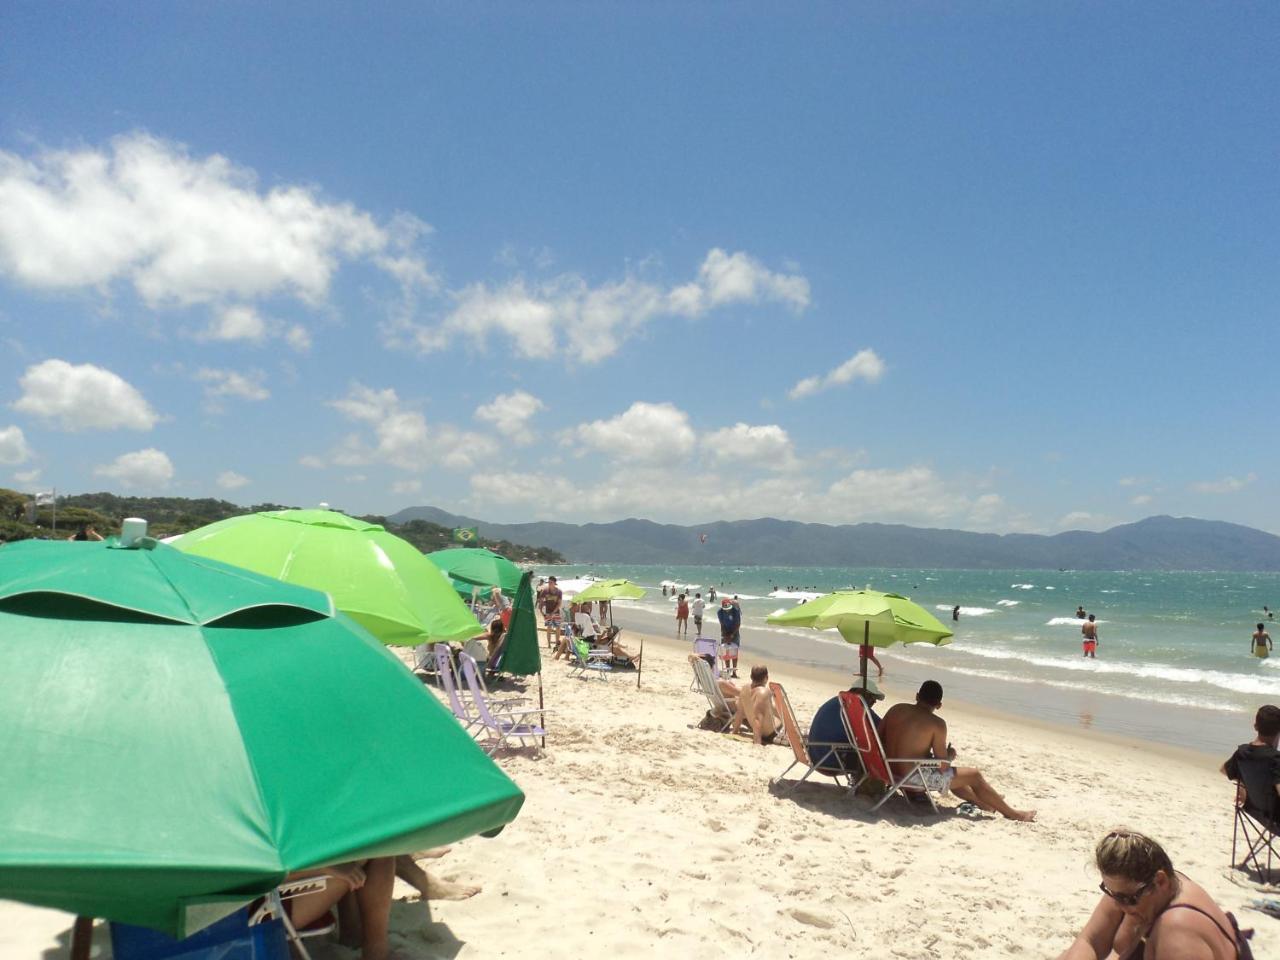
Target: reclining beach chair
point(498, 704)
point(836, 760)
point(598, 662)
point(448, 680)
point(703, 647)
point(499, 727)
point(272, 908)
point(863, 733)
point(720, 711)
point(1257, 820)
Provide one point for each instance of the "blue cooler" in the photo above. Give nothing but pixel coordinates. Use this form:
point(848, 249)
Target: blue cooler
point(231, 938)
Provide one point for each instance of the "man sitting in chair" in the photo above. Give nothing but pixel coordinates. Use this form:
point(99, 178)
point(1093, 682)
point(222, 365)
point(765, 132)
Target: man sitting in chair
point(598, 636)
point(1257, 764)
point(755, 707)
point(914, 731)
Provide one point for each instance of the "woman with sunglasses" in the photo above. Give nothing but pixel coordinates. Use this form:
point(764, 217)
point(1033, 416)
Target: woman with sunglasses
point(1149, 911)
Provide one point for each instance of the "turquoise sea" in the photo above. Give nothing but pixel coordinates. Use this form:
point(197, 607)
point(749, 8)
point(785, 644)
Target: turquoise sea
point(1173, 663)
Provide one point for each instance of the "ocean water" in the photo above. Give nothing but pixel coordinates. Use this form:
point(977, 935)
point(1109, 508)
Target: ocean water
point(1174, 648)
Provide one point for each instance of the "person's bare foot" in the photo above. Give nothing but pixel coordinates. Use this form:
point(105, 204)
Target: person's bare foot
point(449, 890)
point(431, 854)
point(1025, 816)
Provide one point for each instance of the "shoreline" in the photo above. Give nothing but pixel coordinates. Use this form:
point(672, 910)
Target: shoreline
point(1178, 729)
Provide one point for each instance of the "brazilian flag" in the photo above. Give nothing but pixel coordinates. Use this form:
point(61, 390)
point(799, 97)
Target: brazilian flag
point(468, 535)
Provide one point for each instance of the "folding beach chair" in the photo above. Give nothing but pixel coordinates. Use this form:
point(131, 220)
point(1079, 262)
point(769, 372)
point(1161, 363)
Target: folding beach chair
point(272, 908)
point(500, 728)
point(720, 711)
point(597, 662)
point(706, 647)
point(495, 703)
point(1257, 820)
point(863, 733)
point(836, 760)
point(448, 680)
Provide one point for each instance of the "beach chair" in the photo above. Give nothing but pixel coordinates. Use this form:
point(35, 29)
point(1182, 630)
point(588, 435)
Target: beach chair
point(499, 728)
point(597, 662)
point(448, 680)
point(1257, 817)
point(272, 908)
point(863, 734)
point(720, 711)
point(496, 703)
point(836, 760)
point(703, 647)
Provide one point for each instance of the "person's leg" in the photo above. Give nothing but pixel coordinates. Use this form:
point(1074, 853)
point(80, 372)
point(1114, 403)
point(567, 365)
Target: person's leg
point(431, 888)
point(971, 780)
point(309, 907)
point(374, 899)
point(874, 659)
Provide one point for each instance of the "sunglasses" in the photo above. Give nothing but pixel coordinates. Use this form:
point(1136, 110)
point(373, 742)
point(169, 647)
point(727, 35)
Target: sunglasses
point(1127, 899)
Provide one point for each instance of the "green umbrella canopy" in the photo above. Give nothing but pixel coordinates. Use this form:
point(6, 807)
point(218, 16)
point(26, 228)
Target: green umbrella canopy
point(611, 590)
point(379, 580)
point(478, 567)
point(867, 616)
point(178, 734)
point(522, 654)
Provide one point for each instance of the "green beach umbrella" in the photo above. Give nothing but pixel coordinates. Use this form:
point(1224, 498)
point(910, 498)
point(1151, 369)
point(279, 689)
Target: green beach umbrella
point(478, 568)
point(379, 580)
point(178, 734)
point(611, 590)
point(868, 618)
point(521, 654)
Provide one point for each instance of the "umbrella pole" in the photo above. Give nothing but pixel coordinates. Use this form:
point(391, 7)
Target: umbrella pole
point(541, 710)
point(640, 665)
point(862, 654)
point(81, 938)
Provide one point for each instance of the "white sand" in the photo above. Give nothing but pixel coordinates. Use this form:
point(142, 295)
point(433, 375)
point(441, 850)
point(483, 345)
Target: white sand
point(644, 836)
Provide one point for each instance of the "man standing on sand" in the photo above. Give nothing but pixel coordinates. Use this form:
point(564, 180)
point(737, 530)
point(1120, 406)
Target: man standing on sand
point(682, 616)
point(696, 609)
point(913, 730)
point(1089, 631)
point(730, 618)
point(552, 599)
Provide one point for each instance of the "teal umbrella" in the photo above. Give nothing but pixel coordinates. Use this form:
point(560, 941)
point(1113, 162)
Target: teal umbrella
point(868, 618)
point(178, 734)
point(382, 582)
point(478, 567)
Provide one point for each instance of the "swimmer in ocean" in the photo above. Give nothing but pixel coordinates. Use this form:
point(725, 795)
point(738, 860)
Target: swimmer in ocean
point(1089, 631)
point(1261, 643)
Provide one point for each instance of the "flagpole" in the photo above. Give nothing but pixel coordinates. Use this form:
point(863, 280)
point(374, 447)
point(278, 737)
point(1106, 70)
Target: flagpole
point(542, 710)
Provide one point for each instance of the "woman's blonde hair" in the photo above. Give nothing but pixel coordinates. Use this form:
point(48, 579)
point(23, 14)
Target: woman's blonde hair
point(1132, 855)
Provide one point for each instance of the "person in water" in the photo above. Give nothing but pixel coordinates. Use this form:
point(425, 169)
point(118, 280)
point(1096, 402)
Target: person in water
point(1089, 632)
point(955, 612)
point(1080, 614)
point(1149, 911)
point(1260, 644)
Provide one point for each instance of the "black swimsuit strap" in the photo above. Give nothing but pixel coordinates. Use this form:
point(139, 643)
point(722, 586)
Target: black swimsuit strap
point(1191, 906)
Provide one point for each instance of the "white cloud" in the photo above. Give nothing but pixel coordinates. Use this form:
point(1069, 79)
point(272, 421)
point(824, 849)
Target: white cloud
point(406, 486)
point(1131, 481)
point(83, 397)
point(403, 437)
point(311, 462)
point(566, 313)
point(27, 476)
point(1225, 485)
point(237, 323)
point(142, 470)
point(298, 337)
point(645, 433)
point(229, 383)
point(13, 446)
point(230, 480)
point(510, 414)
point(182, 229)
point(1141, 500)
point(863, 365)
point(767, 444)
point(1084, 520)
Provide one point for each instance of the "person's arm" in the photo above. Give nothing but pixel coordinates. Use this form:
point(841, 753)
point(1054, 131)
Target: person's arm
point(1098, 938)
point(941, 750)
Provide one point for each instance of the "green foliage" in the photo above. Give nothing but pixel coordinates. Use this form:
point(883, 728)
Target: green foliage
point(169, 516)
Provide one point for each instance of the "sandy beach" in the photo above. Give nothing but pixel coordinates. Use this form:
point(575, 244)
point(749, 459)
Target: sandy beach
point(643, 835)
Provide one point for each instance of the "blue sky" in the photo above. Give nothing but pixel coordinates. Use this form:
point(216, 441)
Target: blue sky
point(991, 266)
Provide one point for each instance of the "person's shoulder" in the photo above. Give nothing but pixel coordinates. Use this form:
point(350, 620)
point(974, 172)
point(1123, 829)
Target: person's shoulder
point(1184, 927)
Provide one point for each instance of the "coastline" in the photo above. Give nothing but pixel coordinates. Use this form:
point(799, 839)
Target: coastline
point(1179, 729)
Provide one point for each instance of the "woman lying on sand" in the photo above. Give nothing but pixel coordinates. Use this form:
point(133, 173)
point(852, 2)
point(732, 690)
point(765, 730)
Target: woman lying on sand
point(1149, 911)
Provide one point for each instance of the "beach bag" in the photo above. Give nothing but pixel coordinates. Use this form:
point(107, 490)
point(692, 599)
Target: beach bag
point(583, 648)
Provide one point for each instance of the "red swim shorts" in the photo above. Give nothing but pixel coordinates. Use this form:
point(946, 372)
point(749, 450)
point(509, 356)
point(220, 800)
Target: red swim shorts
point(1090, 646)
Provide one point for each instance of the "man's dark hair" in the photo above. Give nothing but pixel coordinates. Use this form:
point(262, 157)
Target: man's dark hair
point(1267, 722)
point(759, 674)
point(930, 693)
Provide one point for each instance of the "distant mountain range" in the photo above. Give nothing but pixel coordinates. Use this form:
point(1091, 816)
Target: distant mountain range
point(1157, 543)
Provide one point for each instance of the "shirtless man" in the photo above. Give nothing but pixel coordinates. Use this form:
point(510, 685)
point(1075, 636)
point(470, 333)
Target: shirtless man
point(914, 730)
point(755, 707)
point(552, 599)
point(1089, 631)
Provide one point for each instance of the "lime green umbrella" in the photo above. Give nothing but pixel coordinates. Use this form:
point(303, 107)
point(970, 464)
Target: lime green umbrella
point(478, 567)
point(379, 580)
point(611, 590)
point(867, 617)
point(178, 734)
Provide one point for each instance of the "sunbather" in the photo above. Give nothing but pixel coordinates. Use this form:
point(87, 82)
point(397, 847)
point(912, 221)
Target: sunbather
point(1149, 911)
point(913, 730)
point(755, 708)
point(371, 881)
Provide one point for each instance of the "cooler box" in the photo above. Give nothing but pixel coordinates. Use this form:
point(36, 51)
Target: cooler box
point(231, 938)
